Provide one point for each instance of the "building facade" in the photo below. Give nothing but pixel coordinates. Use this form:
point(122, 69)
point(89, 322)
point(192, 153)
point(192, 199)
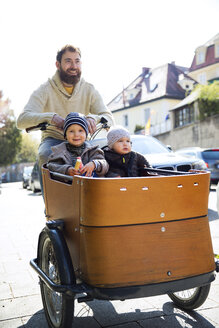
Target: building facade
point(146, 102)
point(205, 64)
point(160, 100)
point(205, 70)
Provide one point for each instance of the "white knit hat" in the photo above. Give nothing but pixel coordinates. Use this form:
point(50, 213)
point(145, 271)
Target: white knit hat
point(115, 133)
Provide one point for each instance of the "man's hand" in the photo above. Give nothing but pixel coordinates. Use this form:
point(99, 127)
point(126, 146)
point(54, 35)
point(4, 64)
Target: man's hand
point(91, 124)
point(58, 121)
point(71, 171)
point(88, 169)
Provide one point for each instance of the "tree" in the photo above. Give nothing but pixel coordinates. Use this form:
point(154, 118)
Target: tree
point(29, 149)
point(10, 138)
point(208, 100)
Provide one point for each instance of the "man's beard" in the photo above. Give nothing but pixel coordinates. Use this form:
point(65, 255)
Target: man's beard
point(69, 79)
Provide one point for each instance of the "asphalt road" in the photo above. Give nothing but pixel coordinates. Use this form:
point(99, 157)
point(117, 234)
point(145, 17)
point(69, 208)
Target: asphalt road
point(22, 218)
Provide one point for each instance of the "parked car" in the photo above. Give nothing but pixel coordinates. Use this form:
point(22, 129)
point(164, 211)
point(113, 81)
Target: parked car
point(159, 155)
point(209, 155)
point(34, 179)
point(4, 177)
point(217, 191)
point(26, 175)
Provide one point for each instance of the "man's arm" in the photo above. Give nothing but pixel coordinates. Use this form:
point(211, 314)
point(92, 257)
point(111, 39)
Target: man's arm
point(33, 112)
point(98, 109)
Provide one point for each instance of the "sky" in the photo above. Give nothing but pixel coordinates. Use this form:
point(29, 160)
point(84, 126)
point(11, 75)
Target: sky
point(116, 37)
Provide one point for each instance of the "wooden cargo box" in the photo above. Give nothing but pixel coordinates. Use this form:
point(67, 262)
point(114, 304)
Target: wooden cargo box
point(134, 231)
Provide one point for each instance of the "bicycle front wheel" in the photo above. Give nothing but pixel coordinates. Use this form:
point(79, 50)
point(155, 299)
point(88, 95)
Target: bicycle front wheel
point(58, 307)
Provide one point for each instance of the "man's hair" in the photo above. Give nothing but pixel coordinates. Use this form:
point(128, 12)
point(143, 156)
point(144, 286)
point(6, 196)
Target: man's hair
point(68, 47)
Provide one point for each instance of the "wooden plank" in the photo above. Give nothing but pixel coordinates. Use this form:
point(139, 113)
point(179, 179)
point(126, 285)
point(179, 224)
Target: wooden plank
point(140, 200)
point(63, 202)
point(145, 254)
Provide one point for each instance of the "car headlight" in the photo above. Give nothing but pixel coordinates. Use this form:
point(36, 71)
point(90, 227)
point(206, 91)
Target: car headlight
point(199, 165)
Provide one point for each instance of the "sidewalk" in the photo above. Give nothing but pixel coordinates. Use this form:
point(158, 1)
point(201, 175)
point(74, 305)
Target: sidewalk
point(20, 301)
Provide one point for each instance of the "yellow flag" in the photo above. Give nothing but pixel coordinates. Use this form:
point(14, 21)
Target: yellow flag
point(148, 126)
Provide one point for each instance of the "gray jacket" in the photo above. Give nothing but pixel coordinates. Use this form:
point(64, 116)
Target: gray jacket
point(60, 160)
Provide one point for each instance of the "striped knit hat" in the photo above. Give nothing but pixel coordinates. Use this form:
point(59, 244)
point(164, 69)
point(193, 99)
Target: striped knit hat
point(75, 118)
point(115, 133)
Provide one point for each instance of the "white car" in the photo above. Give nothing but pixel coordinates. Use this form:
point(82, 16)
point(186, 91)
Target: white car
point(26, 176)
point(158, 155)
point(217, 191)
point(34, 181)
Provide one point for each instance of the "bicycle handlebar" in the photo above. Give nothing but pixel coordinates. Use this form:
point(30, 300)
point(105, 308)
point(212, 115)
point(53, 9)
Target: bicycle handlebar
point(103, 124)
point(41, 126)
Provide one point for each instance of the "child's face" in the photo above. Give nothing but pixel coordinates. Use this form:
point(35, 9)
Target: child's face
point(122, 146)
point(76, 135)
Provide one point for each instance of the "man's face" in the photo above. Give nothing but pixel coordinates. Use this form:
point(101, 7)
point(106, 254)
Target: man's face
point(70, 67)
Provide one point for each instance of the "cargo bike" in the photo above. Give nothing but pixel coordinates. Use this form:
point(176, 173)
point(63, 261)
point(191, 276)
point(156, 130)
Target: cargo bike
point(124, 238)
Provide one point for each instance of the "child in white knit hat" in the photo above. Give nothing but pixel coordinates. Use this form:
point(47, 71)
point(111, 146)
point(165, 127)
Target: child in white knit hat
point(123, 162)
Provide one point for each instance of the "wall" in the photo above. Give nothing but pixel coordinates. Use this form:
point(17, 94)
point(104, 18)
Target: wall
point(136, 115)
point(211, 72)
point(203, 134)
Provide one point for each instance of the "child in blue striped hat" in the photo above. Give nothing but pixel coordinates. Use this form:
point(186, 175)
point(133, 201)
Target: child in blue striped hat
point(64, 155)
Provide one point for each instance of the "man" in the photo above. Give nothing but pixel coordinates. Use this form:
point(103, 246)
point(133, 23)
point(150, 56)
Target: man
point(66, 92)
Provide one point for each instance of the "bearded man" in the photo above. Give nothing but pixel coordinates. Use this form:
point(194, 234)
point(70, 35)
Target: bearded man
point(66, 92)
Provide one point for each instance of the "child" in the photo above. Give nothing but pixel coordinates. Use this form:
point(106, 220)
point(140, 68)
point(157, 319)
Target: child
point(64, 155)
point(123, 162)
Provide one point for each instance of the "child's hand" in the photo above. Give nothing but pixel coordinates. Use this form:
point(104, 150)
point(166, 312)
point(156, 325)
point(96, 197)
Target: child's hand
point(88, 169)
point(71, 171)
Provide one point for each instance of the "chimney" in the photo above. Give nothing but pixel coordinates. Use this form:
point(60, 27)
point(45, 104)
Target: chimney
point(145, 70)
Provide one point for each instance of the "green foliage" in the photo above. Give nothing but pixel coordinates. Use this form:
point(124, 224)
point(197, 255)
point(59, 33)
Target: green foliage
point(208, 101)
point(29, 149)
point(138, 127)
point(10, 139)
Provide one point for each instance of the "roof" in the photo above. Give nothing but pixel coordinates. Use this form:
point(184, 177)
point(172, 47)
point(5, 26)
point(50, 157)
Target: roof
point(150, 85)
point(212, 40)
point(210, 55)
point(186, 101)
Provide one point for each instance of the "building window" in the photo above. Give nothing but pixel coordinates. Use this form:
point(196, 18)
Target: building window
point(126, 120)
point(202, 78)
point(216, 50)
point(184, 116)
point(200, 57)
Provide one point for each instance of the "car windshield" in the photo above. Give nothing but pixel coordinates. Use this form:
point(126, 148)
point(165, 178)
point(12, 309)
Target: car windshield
point(148, 145)
point(211, 154)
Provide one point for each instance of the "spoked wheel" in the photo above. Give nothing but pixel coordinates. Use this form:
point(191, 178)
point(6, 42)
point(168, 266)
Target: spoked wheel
point(58, 307)
point(190, 299)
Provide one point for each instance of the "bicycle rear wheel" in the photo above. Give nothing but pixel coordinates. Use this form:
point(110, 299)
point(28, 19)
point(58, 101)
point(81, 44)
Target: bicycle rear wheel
point(190, 299)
